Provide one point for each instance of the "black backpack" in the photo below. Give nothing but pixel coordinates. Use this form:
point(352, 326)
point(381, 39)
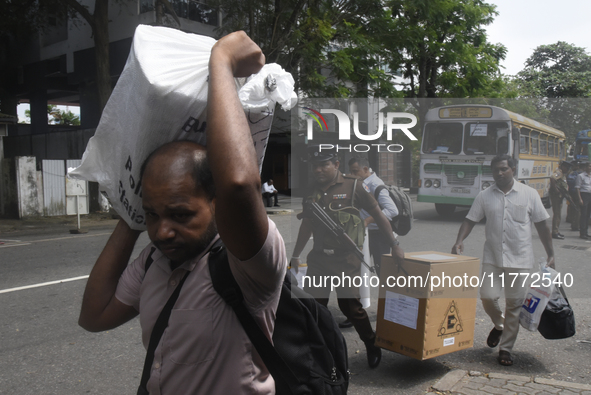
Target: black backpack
point(402, 223)
point(308, 354)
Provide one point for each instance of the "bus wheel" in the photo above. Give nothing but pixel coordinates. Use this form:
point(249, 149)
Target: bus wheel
point(445, 210)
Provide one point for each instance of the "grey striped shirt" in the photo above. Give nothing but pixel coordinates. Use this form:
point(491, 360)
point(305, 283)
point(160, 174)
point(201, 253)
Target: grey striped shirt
point(508, 227)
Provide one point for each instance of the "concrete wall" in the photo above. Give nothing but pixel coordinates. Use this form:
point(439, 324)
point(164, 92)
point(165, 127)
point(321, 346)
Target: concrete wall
point(29, 187)
point(55, 145)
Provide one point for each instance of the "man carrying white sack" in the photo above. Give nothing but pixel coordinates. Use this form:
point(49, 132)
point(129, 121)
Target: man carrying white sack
point(188, 207)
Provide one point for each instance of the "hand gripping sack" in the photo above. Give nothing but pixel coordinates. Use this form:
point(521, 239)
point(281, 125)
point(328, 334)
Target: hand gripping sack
point(402, 223)
point(309, 353)
point(558, 318)
point(161, 96)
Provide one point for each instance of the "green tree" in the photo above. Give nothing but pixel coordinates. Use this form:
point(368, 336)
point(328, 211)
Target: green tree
point(556, 71)
point(442, 48)
point(557, 80)
point(332, 48)
point(64, 117)
point(58, 116)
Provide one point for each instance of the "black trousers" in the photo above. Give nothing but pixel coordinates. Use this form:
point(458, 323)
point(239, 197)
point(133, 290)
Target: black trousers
point(267, 197)
point(585, 210)
point(378, 246)
point(321, 265)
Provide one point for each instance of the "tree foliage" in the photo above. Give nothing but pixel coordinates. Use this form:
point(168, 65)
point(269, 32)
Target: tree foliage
point(332, 48)
point(557, 70)
point(557, 80)
point(441, 48)
point(57, 116)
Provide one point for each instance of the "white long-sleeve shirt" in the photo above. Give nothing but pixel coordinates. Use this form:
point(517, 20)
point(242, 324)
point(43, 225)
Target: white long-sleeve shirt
point(268, 188)
point(384, 200)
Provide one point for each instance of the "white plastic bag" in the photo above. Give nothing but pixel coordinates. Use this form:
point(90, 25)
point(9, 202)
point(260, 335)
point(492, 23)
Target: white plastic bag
point(537, 297)
point(299, 276)
point(364, 296)
point(160, 97)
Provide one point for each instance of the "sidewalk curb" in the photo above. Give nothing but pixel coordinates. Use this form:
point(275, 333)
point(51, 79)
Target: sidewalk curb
point(279, 211)
point(447, 383)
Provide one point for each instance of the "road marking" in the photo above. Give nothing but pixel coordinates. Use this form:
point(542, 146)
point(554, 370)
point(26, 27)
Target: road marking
point(2, 291)
point(71, 237)
point(14, 245)
point(20, 243)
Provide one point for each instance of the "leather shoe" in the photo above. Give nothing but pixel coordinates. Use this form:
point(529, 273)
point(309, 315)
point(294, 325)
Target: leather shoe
point(345, 324)
point(558, 236)
point(584, 237)
point(374, 355)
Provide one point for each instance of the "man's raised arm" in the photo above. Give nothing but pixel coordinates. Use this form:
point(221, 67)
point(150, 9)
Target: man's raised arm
point(101, 310)
point(239, 211)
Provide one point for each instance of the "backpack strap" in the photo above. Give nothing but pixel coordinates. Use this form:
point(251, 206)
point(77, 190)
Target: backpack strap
point(379, 189)
point(157, 332)
point(149, 261)
point(159, 326)
point(225, 284)
point(353, 194)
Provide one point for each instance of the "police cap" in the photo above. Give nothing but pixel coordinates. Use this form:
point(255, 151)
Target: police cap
point(322, 152)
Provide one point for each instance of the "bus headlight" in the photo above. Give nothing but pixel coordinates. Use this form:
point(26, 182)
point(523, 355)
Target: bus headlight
point(436, 183)
point(485, 185)
point(428, 183)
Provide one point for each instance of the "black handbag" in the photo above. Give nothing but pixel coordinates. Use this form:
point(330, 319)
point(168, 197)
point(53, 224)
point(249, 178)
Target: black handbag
point(558, 319)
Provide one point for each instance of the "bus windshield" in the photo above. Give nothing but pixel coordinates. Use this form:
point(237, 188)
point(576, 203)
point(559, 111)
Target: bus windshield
point(479, 138)
point(442, 138)
point(486, 138)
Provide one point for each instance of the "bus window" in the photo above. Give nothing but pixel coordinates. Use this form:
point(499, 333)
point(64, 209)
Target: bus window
point(543, 144)
point(524, 141)
point(551, 151)
point(535, 136)
point(486, 138)
point(442, 138)
point(562, 150)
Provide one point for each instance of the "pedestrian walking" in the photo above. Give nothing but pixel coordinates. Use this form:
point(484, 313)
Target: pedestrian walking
point(510, 208)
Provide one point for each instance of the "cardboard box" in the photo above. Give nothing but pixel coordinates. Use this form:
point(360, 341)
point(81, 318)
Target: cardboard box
point(418, 315)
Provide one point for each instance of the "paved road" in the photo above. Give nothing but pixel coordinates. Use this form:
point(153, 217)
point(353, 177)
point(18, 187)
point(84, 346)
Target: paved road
point(43, 351)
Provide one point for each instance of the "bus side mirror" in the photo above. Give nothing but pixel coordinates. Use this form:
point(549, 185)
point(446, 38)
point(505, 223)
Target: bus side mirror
point(515, 134)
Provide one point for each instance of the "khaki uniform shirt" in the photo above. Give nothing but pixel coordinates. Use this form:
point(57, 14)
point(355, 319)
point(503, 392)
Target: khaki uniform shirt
point(335, 198)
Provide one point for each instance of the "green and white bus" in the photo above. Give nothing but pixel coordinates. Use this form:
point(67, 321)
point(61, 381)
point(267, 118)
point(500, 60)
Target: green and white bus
point(460, 141)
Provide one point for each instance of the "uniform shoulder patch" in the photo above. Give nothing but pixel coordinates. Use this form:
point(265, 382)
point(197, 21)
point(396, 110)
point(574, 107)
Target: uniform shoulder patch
point(366, 188)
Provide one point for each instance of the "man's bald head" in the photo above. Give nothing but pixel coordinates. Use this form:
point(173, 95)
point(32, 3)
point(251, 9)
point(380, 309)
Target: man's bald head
point(180, 157)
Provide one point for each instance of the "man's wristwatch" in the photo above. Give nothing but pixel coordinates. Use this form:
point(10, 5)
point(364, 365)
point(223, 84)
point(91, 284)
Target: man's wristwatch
point(395, 243)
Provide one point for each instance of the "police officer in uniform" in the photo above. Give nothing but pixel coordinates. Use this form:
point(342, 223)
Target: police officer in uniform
point(341, 197)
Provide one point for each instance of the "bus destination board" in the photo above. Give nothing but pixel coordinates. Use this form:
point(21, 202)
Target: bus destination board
point(465, 112)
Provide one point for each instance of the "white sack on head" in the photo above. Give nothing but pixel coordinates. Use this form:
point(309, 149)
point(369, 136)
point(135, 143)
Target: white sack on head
point(160, 97)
